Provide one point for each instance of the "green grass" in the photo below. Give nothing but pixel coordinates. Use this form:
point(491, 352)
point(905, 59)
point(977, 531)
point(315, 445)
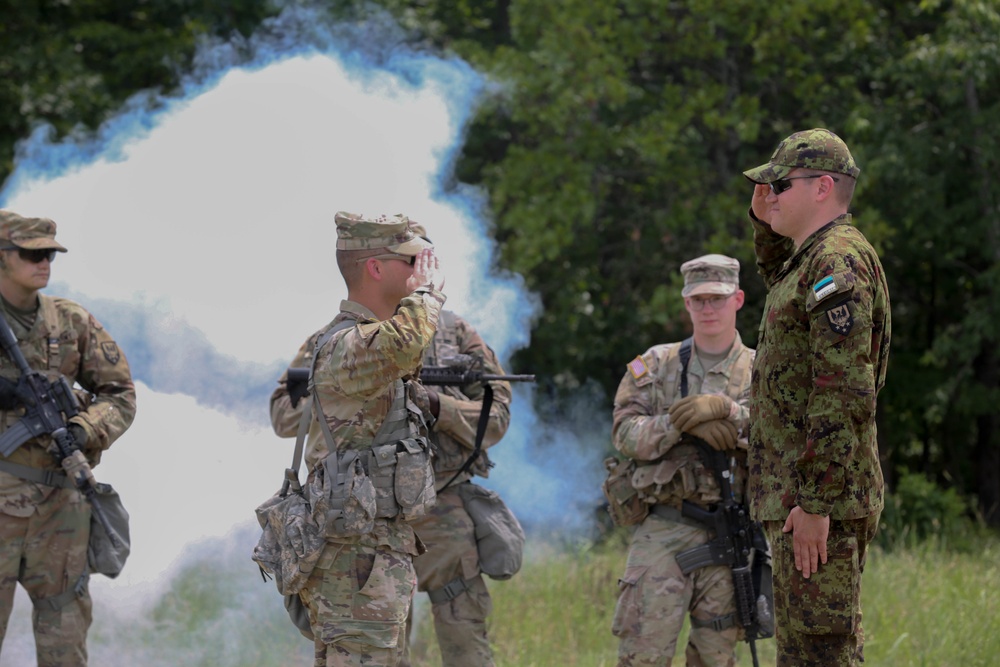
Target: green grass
point(923, 606)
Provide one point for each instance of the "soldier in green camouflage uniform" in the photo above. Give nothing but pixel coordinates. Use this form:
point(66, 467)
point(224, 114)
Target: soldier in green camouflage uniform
point(44, 520)
point(815, 479)
point(652, 420)
point(359, 593)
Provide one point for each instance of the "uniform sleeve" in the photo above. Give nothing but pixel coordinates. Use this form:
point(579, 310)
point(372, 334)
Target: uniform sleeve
point(364, 361)
point(637, 431)
point(772, 249)
point(460, 406)
point(843, 376)
point(285, 418)
point(105, 373)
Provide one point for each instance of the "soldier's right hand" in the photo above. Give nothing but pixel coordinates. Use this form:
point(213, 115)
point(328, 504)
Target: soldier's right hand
point(719, 433)
point(761, 209)
point(13, 395)
point(426, 271)
point(693, 410)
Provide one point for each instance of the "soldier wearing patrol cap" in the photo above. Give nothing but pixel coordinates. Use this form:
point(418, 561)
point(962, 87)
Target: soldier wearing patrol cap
point(367, 452)
point(700, 388)
point(821, 361)
point(44, 519)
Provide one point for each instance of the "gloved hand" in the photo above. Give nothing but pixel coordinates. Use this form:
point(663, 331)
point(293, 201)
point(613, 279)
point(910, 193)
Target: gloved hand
point(76, 467)
point(79, 435)
point(719, 433)
point(693, 410)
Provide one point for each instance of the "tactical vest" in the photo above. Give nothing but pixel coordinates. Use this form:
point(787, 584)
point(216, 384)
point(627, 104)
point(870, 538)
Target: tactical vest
point(393, 477)
point(681, 473)
point(449, 454)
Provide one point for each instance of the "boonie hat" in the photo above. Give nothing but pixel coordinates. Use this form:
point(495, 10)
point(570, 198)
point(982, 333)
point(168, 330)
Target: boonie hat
point(392, 232)
point(810, 149)
point(710, 274)
point(28, 233)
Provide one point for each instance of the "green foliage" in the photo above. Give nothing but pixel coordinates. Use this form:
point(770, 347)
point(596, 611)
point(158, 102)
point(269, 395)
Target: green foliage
point(918, 510)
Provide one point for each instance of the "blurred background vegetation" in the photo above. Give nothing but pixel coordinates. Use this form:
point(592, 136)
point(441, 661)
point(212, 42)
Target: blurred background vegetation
point(612, 151)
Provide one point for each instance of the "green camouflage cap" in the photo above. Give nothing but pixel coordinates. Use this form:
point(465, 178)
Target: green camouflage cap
point(810, 149)
point(27, 233)
point(392, 232)
point(710, 274)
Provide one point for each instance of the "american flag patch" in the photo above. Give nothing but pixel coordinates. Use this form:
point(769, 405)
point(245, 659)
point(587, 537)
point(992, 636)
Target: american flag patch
point(637, 367)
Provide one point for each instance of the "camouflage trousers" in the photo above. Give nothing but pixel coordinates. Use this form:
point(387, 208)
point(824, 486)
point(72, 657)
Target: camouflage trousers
point(47, 553)
point(459, 623)
point(819, 619)
point(357, 598)
point(656, 596)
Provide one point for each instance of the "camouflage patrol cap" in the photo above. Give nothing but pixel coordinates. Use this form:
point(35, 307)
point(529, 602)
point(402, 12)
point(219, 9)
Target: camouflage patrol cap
point(392, 232)
point(710, 274)
point(810, 149)
point(28, 233)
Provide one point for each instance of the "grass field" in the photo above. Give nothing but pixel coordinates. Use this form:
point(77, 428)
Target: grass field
point(923, 606)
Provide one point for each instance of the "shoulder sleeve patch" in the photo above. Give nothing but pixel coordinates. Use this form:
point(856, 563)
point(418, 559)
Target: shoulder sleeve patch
point(637, 367)
point(827, 287)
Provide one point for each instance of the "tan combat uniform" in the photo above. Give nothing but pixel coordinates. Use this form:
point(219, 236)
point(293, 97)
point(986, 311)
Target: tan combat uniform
point(44, 528)
point(449, 570)
point(359, 594)
point(655, 594)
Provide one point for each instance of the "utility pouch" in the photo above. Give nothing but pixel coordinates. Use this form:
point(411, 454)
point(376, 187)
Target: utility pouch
point(382, 469)
point(764, 590)
point(351, 493)
point(414, 485)
point(499, 536)
point(624, 504)
point(104, 555)
point(291, 542)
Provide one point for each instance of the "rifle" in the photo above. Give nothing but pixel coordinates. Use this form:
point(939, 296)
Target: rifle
point(48, 407)
point(463, 369)
point(736, 536)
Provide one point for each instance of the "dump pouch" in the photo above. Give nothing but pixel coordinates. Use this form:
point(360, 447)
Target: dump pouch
point(499, 536)
point(414, 484)
point(291, 542)
point(105, 556)
point(625, 505)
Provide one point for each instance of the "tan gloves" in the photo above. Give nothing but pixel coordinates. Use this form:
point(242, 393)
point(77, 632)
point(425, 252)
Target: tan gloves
point(719, 433)
point(693, 410)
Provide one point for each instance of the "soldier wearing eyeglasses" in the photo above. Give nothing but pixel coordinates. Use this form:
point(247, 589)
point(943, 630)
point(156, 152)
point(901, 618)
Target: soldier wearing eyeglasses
point(699, 387)
point(44, 519)
point(816, 482)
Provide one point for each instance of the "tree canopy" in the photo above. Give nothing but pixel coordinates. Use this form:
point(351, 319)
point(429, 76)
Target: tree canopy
point(612, 152)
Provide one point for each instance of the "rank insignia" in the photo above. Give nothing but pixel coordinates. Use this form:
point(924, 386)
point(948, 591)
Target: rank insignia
point(637, 367)
point(840, 318)
point(111, 353)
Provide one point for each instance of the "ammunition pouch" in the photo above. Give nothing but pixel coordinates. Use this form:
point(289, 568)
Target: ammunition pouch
point(353, 488)
point(625, 505)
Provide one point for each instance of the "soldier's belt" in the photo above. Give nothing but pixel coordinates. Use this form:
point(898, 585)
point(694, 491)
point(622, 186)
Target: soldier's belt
point(670, 513)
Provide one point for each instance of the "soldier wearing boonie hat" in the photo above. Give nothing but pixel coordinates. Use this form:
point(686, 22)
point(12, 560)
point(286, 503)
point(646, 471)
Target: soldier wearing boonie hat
point(44, 519)
point(673, 400)
point(362, 365)
point(821, 361)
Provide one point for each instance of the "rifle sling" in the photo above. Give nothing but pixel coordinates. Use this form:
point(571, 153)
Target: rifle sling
point(37, 475)
point(484, 420)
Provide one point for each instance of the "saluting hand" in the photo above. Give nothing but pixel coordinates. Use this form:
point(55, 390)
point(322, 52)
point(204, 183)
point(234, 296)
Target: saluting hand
point(759, 204)
point(426, 271)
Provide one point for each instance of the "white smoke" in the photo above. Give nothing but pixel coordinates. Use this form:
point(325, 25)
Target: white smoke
point(200, 232)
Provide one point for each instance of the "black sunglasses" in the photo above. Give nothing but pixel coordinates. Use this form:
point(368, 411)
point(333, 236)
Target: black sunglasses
point(33, 256)
point(779, 186)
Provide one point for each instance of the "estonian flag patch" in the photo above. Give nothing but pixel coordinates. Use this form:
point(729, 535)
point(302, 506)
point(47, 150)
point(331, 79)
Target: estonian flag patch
point(824, 288)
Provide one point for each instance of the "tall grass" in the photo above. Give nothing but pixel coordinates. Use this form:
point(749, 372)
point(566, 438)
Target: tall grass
point(923, 606)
